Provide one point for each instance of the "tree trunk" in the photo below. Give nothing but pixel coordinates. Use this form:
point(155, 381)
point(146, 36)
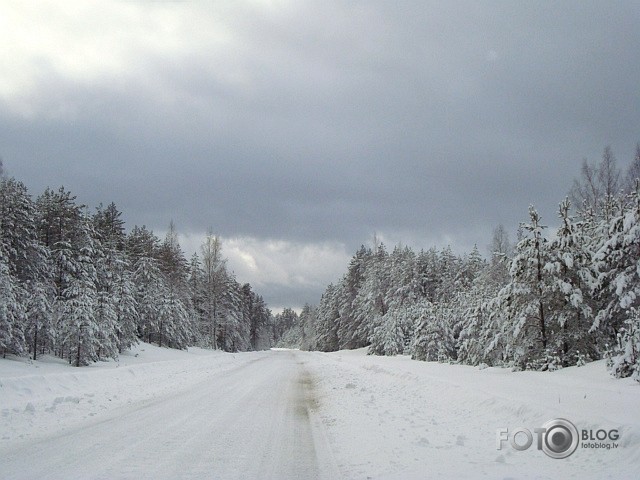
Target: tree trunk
point(35, 343)
point(78, 354)
point(543, 327)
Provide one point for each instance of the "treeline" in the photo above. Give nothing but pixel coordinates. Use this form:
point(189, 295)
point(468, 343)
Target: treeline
point(556, 299)
point(74, 283)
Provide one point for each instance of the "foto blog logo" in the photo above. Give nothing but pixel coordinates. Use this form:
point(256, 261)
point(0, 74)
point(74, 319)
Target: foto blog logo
point(558, 438)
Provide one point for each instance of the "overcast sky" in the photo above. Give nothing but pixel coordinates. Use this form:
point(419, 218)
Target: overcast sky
point(296, 130)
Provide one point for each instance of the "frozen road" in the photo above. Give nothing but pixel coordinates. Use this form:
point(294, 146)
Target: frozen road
point(250, 421)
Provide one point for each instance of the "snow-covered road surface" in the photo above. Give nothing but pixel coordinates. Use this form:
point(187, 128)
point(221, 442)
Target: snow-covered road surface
point(159, 413)
point(248, 421)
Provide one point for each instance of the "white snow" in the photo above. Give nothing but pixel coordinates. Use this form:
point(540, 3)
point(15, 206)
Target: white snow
point(292, 414)
point(392, 417)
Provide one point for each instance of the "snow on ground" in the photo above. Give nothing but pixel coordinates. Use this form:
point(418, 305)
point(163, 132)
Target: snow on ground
point(49, 395)
point(392, 417)
point(160, 413)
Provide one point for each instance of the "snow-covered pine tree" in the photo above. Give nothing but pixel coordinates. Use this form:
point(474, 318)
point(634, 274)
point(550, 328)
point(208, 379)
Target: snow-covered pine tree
point(141, 243)
point(569, 268)
point(12, 314)
point(59, 221)
point(428, 271)
point(83, 333)
point(395, 331)
point(28, 262)
point(233, 332)
point(394, 334)
point(109, 226)
point(172, 322)
point(150, 290)
point(350, 321)
point(371, 302)
point(26, 257)
point(524, 302)
point(482, 328)
point(260, 318)
point(198, 294)
point(123, 295)
point(176, 316)
point(618, 261)
point(327, 315)
point(307, 321)
point(433, 338)
point(627, 361)
point(39, 330)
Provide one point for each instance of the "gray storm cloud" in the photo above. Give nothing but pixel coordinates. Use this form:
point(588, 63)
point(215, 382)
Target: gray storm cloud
point(318, 123)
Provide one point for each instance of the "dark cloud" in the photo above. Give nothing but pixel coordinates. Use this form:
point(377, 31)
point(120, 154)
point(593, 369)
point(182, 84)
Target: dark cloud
point(328, 121)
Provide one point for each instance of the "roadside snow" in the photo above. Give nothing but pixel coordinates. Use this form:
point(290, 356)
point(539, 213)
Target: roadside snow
point(392, 417)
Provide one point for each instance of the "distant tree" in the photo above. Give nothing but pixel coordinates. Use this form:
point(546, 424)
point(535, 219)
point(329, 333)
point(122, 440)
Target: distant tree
point(598, 186)
point(109, 227)
point(633, 173)
point(500, 251)
point(307, 320)
point(142, 243)
point(260, 317)
point(215, 277)
point(284, 321)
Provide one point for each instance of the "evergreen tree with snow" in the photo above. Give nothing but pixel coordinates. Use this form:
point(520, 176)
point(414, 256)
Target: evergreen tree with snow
point(327, 317)
point(122, 292)
point(433, 339)
point(482, 334)
point(627, 361)
point(524, 302)
point(39, 329)
point(12, 315)
point(83, 333)
point(569, 268)
point(150, 292)
point(371, 303)
point(618, 264)
point(27, 263)
point(352, 322)
point(394, 334)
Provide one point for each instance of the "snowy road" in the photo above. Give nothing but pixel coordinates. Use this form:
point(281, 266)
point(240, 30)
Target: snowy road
point(250, 421)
